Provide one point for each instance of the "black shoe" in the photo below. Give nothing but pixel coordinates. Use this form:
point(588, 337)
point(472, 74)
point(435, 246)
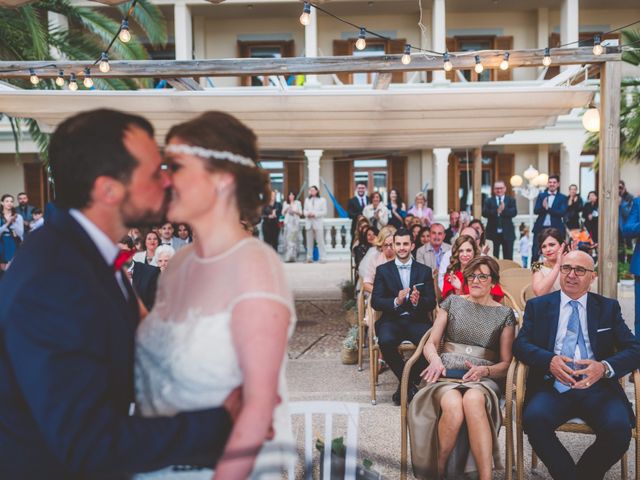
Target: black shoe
point(396, 397)
point(413, 389)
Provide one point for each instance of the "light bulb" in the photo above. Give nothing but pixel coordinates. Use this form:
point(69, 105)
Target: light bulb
point(73, 85)
point(124, 35)
point(530, 173)
point(448, 66)
point(478, 68)
point(504, 64)
point(60, 79)
point(546, 61)
point(406, 57)
point(361, 43)
point(598, 49)
point(516, 181)
point(305, 18)
point(104, 66)
point(591, 120)
point(88, 81)
point(33, 78)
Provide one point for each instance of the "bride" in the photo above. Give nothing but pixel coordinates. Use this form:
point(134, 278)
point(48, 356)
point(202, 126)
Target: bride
point(223, 312)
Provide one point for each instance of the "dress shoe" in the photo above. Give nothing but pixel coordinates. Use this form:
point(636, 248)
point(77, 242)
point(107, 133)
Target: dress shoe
point(396, 397)
point(413, 389)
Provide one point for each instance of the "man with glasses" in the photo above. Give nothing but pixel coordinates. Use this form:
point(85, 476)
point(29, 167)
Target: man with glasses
point(431, 254)
point(403, 291)
point(577, 346)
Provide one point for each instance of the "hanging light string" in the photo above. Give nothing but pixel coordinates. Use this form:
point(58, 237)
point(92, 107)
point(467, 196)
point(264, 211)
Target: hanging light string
point(103, 60)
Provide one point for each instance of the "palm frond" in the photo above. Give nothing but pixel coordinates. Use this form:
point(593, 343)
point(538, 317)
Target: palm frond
point(33, 28)
point(150, 20)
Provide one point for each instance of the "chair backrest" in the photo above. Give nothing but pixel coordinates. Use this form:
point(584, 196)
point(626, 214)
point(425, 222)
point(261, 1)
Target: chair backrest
point(360, 303)
point(506, 264)
point(328, 409)
point(527, 294)
point(514, 280)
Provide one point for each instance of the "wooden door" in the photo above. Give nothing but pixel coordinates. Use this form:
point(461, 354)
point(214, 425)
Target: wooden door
point(343, 187)
point(397, 167)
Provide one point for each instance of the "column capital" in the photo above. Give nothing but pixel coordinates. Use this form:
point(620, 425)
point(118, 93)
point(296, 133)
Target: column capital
point(313, 155)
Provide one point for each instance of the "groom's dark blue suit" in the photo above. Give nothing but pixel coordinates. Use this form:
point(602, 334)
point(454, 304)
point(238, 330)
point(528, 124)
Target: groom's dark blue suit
point(66, 370)
point(603, 406)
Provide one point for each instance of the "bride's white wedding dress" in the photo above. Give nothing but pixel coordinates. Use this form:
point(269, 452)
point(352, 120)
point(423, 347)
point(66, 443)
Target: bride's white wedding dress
point(185, 357)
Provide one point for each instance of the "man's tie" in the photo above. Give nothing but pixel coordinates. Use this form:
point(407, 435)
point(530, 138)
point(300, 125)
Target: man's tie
point(572, 338)
point(404, 267)
point(362, 202)
point(123, 257)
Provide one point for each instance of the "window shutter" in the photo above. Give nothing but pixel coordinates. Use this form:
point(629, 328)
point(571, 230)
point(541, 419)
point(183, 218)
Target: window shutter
point(293, 176)
point(343, 48)
point(398, 175)
point(35, 184)
point(343, 185)
point(505, 169)
point(503, 43)
point(554, 42)
point(451, 47)
point(394, 47)
point(554, 163)
point(454, 183)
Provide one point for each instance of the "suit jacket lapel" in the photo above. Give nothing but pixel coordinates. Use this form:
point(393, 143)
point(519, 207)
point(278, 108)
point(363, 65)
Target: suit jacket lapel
point(395, 273)
point(593, 318)
point(414, 274)
point(553, 315)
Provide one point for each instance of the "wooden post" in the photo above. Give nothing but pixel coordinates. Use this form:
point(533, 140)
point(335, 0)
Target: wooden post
point(609, 176)
point(477, 182)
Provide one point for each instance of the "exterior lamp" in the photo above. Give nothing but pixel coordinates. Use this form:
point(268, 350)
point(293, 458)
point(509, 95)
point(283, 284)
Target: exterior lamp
point(530, 173)
point(591, 120)
point(516, 181)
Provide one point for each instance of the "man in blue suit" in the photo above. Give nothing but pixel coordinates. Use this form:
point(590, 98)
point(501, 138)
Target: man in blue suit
point(577, 346)
point(68, 319)
point(551, 207)
point(403, 291)
point(631, 228)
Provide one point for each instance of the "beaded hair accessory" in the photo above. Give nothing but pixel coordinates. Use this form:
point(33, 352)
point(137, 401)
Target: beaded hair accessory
point(206, 153)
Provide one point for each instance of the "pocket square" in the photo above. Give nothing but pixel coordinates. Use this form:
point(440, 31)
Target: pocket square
point(603, 329)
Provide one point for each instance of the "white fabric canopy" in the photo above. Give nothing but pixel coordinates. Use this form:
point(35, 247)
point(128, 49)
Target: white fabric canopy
point(345, 117)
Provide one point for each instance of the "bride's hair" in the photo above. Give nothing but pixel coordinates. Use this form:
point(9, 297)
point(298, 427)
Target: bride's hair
point(222, 132)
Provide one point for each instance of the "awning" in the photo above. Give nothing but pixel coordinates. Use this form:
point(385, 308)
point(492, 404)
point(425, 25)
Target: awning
point(338, 117)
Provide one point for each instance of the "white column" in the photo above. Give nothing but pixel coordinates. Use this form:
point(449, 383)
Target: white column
point(313, 167)
point(57, 22)
point(543, 158)
point(543, 29)
point(183, 31)
point(311, 45)
point(441, 184)
point(438, 34)
point(569, 23)
point(570, 164)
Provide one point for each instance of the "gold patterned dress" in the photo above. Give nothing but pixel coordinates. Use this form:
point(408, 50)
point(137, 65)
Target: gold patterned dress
point(478, 327)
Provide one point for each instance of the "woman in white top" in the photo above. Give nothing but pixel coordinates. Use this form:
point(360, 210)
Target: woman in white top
point(148, 255)
point(223, 311)
point(376, 212)
point(292, 211)
point(315, 209)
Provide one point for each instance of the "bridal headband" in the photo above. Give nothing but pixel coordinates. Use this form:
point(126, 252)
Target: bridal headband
point(206, 153)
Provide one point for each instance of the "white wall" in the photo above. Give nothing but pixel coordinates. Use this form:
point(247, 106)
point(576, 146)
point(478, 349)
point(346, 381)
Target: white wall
point(11, 174)
point(630, 173)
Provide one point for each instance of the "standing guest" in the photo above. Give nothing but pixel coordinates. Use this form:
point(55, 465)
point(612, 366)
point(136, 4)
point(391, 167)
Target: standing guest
point(551, 207)
point(134, 233)
point(485, 245)
point(590, 215)
point(626, 204)
point(376, 212)
point(367, 240)
point(577, 346)
point(25, 210)
point(499, 211)
point(546, 274)
point(397, 209)
point(421, 210)
point(315, 209)
point(184, 233)
point(148, 255)
point(524, 246)
point(37, 220)
point(454, 227)
point(271, 221)
point(11, 230)
point(574, 208)
point(477, 334)
point(292, 211)
point(165, 232)
point(631, 229)
point(356, 204)
point(164, 253)
point(463, 251)
point(431, 253)
point(403, 291)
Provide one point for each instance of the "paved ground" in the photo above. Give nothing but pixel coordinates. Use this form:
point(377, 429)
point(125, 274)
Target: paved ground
point(316, 373)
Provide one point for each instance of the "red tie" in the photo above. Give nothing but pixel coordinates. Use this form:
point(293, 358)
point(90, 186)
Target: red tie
point(123, 257)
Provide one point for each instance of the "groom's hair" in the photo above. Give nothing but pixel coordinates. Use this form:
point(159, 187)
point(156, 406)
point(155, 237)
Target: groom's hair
point(87, 146)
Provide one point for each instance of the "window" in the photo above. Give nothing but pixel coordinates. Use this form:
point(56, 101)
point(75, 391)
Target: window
point(474, 44)
point(276, 175)
point(468, 43)
point(587, 175)
point(375, 46)
point(371, 50)
point(264, 49)
point(373, 173)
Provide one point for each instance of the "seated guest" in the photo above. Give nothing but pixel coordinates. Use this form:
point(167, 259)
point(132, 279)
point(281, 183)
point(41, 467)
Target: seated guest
point(403, 292)
point(486, 245)
point(361, 224)
point(397, 209)
point(478, 334)
point(446, 258)
point(421, 210)
point(184, 233)
point(144, 279)
point(366, 241)
point(464, 250)
point(376, 212)
point(148, 255)
point(37, 220)
point(415, 238)
point(577, 346)
point(409, 220)
point(454, 227)
point(164, 253)
point(375, 257)
point(546, 274)
point(430, 254)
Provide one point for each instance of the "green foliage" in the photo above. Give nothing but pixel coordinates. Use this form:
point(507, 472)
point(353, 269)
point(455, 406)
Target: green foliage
point(350, 342)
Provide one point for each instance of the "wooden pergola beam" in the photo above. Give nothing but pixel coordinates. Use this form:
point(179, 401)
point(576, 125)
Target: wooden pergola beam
point(230, 67)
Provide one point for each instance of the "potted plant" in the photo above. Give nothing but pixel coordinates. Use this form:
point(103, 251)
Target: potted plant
point(349, 354)
point(338, 457)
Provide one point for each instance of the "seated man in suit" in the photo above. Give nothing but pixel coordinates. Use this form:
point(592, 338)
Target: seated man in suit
point(577, 347)
point(431, 254)
point(403, 291)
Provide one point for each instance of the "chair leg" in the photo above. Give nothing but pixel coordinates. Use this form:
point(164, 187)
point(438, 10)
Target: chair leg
point(360, 344)
point(624, 466)
point(637, 441)
point(534, 462)
point(373, 372)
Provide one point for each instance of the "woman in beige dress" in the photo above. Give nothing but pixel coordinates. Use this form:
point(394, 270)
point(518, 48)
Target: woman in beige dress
point(454, 423)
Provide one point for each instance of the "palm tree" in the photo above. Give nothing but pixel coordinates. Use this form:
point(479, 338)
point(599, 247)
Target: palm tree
point(26, 35)
point(629, 107)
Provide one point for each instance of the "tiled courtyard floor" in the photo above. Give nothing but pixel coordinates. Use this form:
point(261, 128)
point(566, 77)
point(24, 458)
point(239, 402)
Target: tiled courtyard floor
point(315, 372)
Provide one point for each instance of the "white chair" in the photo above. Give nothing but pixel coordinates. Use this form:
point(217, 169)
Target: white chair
point(328, 409)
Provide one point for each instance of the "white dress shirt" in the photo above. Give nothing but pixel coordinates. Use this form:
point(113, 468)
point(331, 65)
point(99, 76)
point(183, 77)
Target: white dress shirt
point(563, 321)
point(547, 219)
point(405, 278)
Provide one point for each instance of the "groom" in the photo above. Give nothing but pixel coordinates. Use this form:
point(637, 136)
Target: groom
point(68, 320)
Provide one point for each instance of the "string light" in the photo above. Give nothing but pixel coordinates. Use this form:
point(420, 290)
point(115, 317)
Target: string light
point(478, 68)
point(73, 85)
point(124, 35)
point(60, 79)
point(504, 64)
point(88, 81)
point(546, 61)
point(305, 18)
point(598, 49)
point(361, 43)
point(406, 57)
point(448, 66)
point(33, 78)
point(104, 66)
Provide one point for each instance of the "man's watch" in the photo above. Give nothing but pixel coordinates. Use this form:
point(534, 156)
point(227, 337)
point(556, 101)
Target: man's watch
point(608, 373)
